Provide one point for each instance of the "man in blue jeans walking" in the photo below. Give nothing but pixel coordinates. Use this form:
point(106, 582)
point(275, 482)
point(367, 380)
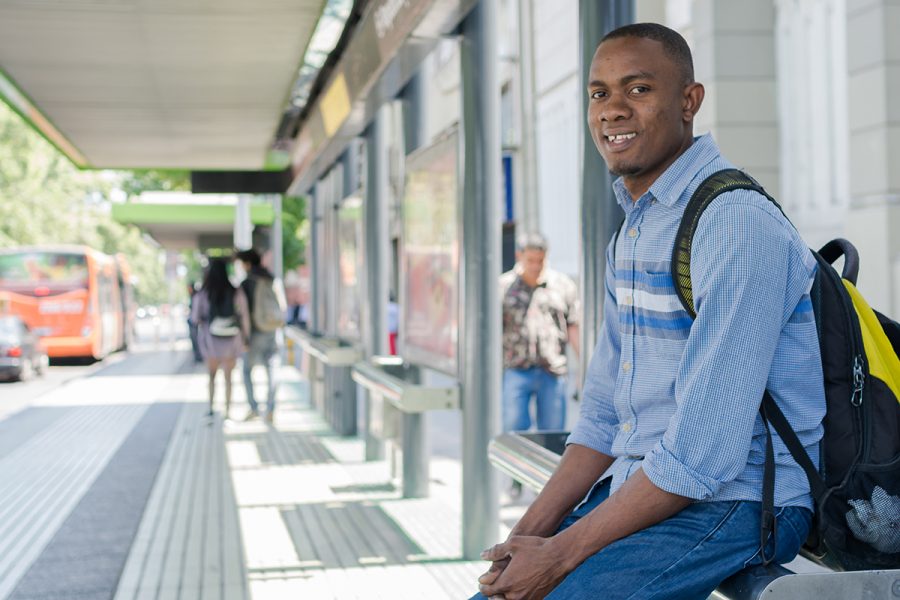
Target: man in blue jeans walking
point(262, 348)
point(658, 492)
point(539, 321)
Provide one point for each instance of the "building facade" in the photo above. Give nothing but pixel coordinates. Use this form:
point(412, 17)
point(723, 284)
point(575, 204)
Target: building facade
point(803, 94)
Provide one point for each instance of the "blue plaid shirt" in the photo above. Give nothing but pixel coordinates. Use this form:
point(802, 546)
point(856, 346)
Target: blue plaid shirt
point(680, 398)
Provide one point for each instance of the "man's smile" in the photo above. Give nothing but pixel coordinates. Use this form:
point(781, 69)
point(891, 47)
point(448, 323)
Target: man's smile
point(619, 141)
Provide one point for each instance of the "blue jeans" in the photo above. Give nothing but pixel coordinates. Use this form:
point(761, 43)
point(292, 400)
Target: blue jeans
point(684, 557)
point(263, 349)
point(519, 385)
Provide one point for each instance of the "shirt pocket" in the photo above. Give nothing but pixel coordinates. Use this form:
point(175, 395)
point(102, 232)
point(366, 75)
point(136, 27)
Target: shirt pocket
point(654, 282)
point(656, 312)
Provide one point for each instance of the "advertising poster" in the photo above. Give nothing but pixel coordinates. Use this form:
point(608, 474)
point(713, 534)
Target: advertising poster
point(430, 258)
point(350, 243)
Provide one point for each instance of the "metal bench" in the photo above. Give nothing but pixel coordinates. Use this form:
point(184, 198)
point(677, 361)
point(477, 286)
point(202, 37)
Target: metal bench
point(395, 387)
point(531, 458)
point(327, 368)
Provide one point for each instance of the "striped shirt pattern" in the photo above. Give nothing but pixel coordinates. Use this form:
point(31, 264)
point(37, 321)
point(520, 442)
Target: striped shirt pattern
point(677, 397)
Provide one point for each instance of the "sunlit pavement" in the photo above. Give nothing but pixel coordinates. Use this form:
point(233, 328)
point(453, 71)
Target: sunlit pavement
point(117, 484)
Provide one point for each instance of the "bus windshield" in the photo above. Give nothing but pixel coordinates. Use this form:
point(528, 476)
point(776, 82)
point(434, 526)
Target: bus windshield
point(55, 272)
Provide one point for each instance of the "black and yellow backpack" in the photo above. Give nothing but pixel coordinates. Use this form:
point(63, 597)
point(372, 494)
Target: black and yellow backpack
point(857, 486)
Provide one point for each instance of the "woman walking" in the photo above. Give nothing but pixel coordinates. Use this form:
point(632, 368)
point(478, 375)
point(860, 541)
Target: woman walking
point(220, 310)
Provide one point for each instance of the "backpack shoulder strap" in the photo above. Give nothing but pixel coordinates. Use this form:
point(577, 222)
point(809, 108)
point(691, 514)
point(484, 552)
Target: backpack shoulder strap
point(711, 188)
point(616, 238)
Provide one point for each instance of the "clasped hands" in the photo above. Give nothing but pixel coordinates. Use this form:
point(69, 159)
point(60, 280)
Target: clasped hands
point(523, 567)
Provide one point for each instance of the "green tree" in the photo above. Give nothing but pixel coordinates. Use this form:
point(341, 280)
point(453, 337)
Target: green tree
point(44, 199)
point(133, 183)
point(293, 231)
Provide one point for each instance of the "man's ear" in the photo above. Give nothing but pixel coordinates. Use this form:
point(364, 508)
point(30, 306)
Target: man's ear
point(693, 98)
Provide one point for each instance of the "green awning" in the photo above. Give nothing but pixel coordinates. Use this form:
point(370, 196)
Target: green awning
point(186, 225)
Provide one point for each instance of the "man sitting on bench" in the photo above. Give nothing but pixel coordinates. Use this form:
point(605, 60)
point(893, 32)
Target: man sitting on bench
point(658, 492)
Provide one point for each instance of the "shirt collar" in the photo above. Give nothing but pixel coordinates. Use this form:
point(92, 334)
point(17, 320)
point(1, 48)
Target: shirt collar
point(542, 278)
point(669, 186)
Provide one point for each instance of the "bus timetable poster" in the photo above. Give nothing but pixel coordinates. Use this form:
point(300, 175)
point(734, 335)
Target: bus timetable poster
point(430, 284)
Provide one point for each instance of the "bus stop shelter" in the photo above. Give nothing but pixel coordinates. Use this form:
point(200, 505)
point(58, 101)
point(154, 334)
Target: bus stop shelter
point(197, 86)
point(243, 95)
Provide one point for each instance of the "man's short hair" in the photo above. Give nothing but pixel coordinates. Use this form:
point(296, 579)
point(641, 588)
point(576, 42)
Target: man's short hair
point(675, 45)
point(250, 256)
point(531, 240)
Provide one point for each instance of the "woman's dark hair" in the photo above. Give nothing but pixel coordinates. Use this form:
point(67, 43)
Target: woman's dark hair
point(217, 285)
point(249, 256)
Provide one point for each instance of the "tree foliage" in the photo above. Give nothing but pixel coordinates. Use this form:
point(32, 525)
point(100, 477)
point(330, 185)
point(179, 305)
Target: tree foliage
point(44, 199)
point(133, 183)
point(293, 231)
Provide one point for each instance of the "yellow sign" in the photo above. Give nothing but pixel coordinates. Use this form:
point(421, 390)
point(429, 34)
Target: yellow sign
point(335, 105)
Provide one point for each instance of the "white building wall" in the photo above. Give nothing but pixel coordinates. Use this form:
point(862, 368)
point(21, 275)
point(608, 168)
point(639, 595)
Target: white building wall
point(734, 57)
point(873, 219)
point(812, 101)
point(557, 97)
point(559, 182)
point(799, 92)
point(555, 42)
point(442, 72)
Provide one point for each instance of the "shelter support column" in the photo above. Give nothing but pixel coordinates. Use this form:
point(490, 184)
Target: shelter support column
point(377, 257)
point(277, 240)
point(600, 214)
point(416, 458)
point(526, 166)
point(873, 220)
point(315, 282)
point(481, 350)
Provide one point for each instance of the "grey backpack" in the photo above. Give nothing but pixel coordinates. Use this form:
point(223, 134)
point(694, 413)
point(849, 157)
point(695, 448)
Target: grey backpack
point(268, 305)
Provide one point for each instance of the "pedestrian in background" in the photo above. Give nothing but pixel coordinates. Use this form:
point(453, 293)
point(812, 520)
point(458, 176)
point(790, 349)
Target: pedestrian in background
point(192, 324)
point(540, 319)
point(393, 323)
point(267, 312)
point(223, 326)
point(294, 294)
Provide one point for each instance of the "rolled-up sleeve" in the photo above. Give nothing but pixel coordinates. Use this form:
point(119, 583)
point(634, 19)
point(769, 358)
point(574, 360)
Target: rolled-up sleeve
point(742, 282)
point(596, 424)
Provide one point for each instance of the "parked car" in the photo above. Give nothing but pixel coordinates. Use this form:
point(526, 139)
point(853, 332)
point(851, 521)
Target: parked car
point(21, 351)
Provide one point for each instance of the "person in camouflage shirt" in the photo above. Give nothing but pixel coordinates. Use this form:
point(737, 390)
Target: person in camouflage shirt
point(540, 318)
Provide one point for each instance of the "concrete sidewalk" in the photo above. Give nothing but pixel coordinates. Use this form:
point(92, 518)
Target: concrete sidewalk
point(118, 485)
point(250, 510)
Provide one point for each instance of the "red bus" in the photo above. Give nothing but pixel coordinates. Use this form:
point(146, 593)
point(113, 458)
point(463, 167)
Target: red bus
point(69, 295)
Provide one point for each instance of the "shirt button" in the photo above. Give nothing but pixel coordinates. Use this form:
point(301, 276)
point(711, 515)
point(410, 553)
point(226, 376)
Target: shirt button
point(626, 366)
point(627, 300)
point(632, 232)
point(626, 427)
